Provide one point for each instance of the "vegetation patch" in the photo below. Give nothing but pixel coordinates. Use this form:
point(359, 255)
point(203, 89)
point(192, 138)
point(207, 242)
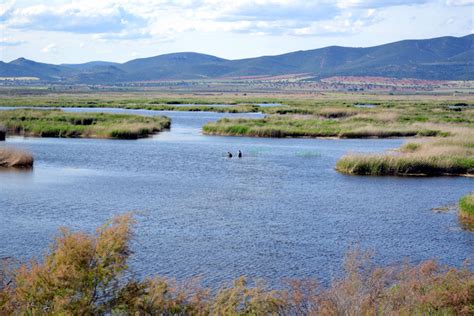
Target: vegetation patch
point(443, 156)
point(466, 210)
point(12, 158)
point(340, 125)
point(86, 274)
point(56, 123)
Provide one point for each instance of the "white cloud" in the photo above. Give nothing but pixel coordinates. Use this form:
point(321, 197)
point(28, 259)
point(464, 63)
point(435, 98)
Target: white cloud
point(376, 3)
point(51, 48)
point(460, 3)
point(76, 17)
point(9, 41)
point(6, 8)
point(141, 19)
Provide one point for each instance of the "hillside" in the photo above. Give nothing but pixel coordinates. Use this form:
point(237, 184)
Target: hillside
point(444, 58)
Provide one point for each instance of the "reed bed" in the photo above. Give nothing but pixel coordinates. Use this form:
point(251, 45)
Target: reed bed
point(13, 158)
point(317, 126)
point(452, 155)
point(56, 123)
point(466, 210)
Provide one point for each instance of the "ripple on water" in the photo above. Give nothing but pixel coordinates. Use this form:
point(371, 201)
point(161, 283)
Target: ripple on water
point(281, 211)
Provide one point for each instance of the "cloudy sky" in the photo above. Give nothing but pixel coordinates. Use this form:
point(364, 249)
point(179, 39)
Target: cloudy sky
point(73, 31)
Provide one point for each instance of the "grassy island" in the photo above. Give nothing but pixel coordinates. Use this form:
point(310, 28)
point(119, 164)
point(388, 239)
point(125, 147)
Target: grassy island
point(314, 126)
point(344, 119)
point(12, 158)
point(57, 123)
point(466, 210)
point(440, 156)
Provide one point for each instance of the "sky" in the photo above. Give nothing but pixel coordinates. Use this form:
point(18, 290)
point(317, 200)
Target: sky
point(58, 31)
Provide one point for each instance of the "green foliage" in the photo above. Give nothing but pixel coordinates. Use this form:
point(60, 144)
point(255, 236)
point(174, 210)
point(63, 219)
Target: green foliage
point(311, 126)
point(56, 123)
point(466, 210)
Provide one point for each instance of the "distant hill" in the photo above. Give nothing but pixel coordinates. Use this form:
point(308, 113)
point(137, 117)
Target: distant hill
point(90, 65)
point(443, 58)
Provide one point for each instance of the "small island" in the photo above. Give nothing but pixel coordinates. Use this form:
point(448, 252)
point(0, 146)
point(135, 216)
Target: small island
point(13, 158)
point(57, 123)
point(443, 156)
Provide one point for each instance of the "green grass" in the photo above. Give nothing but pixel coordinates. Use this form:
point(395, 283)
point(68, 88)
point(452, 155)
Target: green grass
point(317, 126)
point(466, 210)
point(56, 123)
point(449, 156)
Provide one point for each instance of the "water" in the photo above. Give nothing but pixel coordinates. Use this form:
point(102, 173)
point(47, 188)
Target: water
point(193, 104)
point(365, 105)
point(281, 211)
point(270, 104)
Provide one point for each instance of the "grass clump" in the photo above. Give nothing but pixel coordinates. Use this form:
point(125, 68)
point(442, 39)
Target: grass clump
point(341, 126)
point(56, 123)
point(87, 274)
point(443, 156)
point(12, 158)
point(466, 210)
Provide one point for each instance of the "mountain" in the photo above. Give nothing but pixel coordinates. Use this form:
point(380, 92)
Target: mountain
point(22, 67)
point(443, 58)
point(90, 65)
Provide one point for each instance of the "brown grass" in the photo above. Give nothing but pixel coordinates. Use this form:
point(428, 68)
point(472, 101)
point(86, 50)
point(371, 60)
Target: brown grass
point(13, 158)
point(86, 275)
point(452, 155)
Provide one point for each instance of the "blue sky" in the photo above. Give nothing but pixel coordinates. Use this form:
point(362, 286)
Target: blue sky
point(58, 31)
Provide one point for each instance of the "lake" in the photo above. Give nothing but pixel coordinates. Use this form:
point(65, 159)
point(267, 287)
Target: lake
point(281, 211)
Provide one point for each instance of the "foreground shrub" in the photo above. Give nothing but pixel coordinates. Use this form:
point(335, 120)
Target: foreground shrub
point(86, 275)
point(81, 275)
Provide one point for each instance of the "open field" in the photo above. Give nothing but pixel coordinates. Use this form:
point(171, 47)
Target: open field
point(97, 281)
point(12, 158)
point(45, 97)
point(56, 123)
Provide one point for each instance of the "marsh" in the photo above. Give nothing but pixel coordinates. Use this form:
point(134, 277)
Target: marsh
point(274, 214)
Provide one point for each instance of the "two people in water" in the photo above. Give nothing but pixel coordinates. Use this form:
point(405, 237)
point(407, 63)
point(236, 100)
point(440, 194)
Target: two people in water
point(229, 154)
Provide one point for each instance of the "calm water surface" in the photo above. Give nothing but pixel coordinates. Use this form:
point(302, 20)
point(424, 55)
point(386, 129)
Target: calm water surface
point(281, 211)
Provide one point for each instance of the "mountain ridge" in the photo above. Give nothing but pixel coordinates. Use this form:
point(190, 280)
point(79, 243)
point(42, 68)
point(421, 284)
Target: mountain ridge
point(441, 58)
